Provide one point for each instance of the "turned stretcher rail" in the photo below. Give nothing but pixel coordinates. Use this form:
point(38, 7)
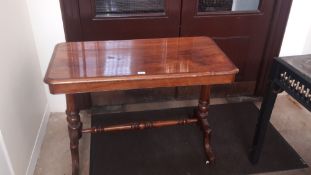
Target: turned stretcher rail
point(140, 125)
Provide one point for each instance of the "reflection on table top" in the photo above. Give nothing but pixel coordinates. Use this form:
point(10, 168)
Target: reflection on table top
point(136, 59)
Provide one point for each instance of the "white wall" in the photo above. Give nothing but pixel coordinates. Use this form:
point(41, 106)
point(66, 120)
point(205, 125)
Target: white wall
point(5, 161)
point(48, 30)
point(297, 39)
point(23, 102)
point(307, 48)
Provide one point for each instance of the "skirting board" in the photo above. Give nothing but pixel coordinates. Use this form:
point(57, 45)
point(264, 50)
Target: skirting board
point(5, 161)
point(39, 140)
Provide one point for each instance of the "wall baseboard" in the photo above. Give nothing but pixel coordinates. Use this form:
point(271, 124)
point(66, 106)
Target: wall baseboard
point(5, 161)
point(39, 140)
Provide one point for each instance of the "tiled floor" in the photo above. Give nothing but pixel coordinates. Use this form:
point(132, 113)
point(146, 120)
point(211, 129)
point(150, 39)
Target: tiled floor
point(292, 121)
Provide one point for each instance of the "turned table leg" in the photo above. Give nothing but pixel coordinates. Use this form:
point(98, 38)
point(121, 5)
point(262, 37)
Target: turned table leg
point(74, 129)
point(202, 114)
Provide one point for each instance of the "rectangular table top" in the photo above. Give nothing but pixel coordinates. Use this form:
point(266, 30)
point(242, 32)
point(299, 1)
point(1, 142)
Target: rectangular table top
point(300, 64)
point(293, 74)
point(78, 67)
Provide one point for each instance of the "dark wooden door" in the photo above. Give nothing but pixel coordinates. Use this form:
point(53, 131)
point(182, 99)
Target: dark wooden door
point(129, 19)
point(240, 28)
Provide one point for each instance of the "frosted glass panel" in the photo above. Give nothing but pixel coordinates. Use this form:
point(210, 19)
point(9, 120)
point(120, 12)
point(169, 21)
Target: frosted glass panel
point(245, 5)
point(129, 7)
point(228, 5)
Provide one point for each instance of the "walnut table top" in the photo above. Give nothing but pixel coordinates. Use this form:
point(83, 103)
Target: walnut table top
point(79, 67)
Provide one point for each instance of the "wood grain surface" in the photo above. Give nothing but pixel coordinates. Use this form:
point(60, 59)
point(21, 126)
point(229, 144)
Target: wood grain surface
point(78, 67)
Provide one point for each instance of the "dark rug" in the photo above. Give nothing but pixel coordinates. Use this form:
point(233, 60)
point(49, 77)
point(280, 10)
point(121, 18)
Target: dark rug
point(178, 150)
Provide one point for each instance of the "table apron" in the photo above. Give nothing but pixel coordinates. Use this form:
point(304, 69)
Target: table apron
point(98, 86)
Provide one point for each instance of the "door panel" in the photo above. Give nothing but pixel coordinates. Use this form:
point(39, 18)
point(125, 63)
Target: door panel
point(129, 19)
point(240, 29)
point(234, 46)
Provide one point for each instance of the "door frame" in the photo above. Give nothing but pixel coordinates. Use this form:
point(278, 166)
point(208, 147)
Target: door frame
point(273, 43)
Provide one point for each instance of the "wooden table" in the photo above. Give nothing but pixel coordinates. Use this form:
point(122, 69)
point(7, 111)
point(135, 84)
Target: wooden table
point(83, 67)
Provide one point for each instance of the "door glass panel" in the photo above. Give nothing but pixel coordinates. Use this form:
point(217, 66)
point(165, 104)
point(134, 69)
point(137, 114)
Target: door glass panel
point(123, 8)
point(227, 5)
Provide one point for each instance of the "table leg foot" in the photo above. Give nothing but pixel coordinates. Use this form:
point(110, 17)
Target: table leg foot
point(75, 132)
point(208, 148)
point(202, 114)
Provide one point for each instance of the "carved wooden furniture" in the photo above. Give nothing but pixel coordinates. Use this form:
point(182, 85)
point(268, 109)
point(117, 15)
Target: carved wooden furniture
point(81, 67)
point(290, 74)
point(258, 31)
